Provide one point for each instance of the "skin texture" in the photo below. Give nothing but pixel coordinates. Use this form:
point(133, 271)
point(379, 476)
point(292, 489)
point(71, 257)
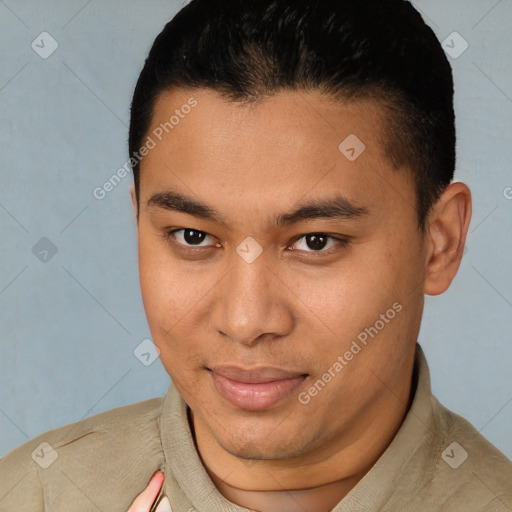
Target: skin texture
point(292, 307)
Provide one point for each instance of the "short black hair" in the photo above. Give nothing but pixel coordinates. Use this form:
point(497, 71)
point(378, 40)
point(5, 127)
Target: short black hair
point(248, 50)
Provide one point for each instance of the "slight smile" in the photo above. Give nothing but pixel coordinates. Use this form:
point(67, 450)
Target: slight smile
point(255, 389)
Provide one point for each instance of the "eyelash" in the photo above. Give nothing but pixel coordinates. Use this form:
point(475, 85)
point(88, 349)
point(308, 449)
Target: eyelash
point(168, 236)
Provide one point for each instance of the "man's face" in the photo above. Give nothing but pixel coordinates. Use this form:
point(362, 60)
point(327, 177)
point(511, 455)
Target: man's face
point(246, 335)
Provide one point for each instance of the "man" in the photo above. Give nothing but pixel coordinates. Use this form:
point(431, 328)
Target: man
point(293, 165)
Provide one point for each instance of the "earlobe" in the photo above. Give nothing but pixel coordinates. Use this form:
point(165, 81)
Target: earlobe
point(133, 196)
point(445, 231)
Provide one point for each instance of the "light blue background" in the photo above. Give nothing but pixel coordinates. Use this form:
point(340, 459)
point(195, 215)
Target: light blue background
point(69, 326)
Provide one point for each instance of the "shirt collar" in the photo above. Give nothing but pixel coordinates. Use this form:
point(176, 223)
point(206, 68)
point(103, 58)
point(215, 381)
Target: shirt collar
point(408, 452)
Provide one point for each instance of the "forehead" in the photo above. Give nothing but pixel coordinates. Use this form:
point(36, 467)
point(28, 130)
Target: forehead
point(303, 119)
point(276, 151)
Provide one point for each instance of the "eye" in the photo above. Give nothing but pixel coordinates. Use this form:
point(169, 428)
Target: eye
point(188, 237)
point(318, 243)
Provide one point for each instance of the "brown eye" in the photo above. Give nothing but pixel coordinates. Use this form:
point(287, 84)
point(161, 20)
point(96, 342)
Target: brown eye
point(313, 242)
point(316, 241)
point(320, 243)
point(188, 237)
point(193, 237)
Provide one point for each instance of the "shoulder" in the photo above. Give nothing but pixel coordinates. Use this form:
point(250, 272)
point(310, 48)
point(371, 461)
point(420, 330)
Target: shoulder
point(470, 471)
point(89, 451)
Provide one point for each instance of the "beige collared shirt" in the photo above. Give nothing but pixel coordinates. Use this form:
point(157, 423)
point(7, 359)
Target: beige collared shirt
point(436, 462)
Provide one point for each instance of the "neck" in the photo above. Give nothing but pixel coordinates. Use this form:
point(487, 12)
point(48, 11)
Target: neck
point(316, 499)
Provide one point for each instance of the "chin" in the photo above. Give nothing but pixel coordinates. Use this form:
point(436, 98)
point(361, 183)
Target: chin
point(254, 440)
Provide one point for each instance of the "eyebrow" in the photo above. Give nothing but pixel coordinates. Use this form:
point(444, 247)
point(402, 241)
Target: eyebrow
point(338, 208)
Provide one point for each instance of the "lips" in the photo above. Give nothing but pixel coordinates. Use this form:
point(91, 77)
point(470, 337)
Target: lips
point(255, 389)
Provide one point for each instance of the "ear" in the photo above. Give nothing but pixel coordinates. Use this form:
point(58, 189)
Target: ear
point(445, 235)
point(133, 195)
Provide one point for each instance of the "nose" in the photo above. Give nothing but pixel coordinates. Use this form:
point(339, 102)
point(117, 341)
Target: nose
point(250, 303)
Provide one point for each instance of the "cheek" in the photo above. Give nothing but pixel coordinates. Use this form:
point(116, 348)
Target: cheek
point(174, 298)
point(345, 296)
point(166, 290)
point(352, 297)
point(166, 297)
point(158, 284)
